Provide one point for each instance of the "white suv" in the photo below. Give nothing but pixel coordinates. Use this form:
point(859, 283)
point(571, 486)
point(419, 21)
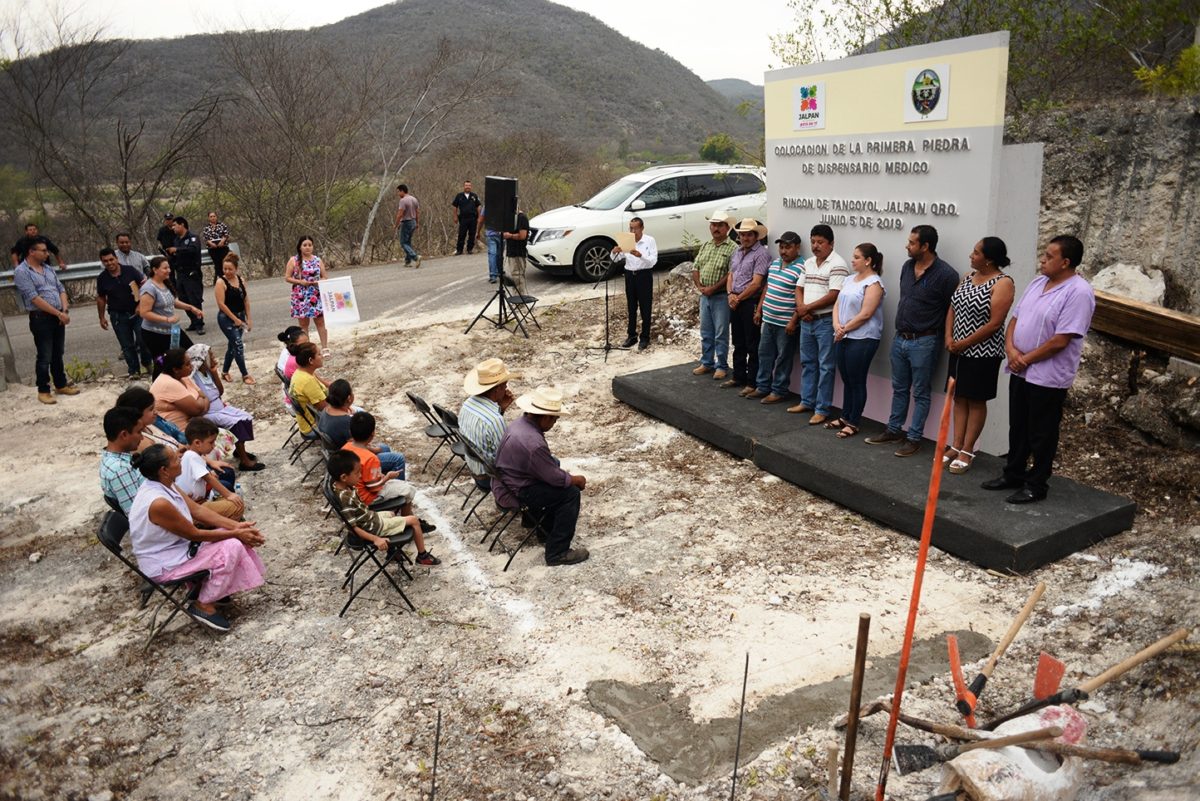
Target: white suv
point(674, 201)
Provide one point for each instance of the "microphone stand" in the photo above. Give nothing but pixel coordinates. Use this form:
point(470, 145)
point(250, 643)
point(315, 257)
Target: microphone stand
point(608, 345)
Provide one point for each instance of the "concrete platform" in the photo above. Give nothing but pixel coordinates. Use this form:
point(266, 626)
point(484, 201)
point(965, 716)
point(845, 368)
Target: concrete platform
point(972, 523)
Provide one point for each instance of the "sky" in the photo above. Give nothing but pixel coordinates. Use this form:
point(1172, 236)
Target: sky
point(684, 29)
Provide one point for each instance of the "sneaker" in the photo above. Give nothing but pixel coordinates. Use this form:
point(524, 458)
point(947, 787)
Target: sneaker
point(212, 620)
point(426, 526)
point(427, 559)
point(417, 262)
point(629, 342)
point(69, 389)
point(493, 280)
point(702, 370)
point(884, 438)
point(572, 557)
point(909, 448)
point(46, 397)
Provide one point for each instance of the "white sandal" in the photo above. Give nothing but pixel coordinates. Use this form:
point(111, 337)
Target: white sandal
point(946, 457)
point(958, 467)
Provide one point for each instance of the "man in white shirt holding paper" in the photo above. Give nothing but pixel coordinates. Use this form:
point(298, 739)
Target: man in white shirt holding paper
point(639, 281)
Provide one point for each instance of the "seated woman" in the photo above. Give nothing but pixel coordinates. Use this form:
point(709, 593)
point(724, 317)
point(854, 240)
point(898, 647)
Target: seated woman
point(238, 421)
point(157, 431)
point(178, 399)
point(306, 387)
point(162, 529)
point(292, 337)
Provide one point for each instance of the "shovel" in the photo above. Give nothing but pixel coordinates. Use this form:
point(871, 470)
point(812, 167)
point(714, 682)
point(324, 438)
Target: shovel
point(914, 758)
point(966, 701)
point(1081, 692)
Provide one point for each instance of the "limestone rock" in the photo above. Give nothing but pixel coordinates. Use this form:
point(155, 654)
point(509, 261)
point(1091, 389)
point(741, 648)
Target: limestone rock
point(1186, 412)
point(1147, 414)
point(1131, 281)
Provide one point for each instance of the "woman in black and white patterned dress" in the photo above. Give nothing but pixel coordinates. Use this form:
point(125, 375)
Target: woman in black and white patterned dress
point(975, 340)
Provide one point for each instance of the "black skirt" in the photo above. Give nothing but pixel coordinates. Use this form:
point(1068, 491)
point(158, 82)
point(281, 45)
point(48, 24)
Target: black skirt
point(976, 377)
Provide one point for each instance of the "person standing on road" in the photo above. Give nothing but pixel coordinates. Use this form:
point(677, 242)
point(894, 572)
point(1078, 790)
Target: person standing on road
point(709, 271)
point(926, 285)
point(117, 290)
point(1043, 344)
point(216, 239)
point(21, 248)
point(408, 217)
point(45, 298)
point(157, 308)
point(233, 316)
point(304, 271)
point(166, 236)
point(128, 257)
point(189, 277)
point(515, 251)
point(639, 282)
point(495, 246)
point(466, 214)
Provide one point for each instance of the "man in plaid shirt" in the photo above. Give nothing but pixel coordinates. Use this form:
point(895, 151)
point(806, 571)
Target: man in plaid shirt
point(709, 270)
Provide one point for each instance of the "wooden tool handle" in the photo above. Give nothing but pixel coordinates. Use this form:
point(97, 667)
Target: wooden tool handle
point(1123, 756)
point(1011, 634)
point(1047, 733)
point(1129, 664)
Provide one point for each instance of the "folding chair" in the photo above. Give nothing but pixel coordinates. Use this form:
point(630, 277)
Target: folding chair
point(522, 305)
point(287, 390)
point(302, 410)
point(449, 421)
point(509, 514)
point(434, 430)
point(362, 552)
point(179, 593)
point(488, 470)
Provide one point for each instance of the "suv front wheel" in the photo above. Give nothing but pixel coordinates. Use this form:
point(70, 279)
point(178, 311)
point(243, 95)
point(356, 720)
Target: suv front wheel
point(592, 262)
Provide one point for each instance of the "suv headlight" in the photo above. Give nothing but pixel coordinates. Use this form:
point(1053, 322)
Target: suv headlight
point(548, 234)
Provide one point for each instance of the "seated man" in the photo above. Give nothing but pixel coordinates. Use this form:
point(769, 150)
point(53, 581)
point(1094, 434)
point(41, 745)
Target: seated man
point(345, 470)
point(118, 479)
point(528, 474)
point(481, 418)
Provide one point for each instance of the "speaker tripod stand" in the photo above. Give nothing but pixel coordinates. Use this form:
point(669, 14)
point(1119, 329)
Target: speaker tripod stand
point(505, 316)
point(608, 346)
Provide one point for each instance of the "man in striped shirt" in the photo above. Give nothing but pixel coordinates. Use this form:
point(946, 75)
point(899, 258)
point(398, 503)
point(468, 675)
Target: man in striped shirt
point(824, 273)
point(481, 418)
point(777, 313)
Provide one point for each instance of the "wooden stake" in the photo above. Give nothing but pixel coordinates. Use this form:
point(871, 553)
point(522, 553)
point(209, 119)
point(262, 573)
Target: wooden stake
point(437, 741)
point(856, 683)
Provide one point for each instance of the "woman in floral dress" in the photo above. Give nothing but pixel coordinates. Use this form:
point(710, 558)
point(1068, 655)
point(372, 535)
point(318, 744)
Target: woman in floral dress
point(303, 272)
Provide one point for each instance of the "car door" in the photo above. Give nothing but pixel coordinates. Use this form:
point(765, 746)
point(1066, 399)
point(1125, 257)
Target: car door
point(658, 206)
point(747, 196)
point(704, 195)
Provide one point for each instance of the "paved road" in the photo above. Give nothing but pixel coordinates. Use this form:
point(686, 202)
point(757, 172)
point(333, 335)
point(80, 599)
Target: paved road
point(387, 290)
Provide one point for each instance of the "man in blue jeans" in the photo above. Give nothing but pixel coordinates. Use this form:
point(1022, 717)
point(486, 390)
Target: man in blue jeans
point(824, 273)
point(776, 313)
point(709, 272)
point(495, 246)
point(117, 288)
point(926, 286)
point(408, 216)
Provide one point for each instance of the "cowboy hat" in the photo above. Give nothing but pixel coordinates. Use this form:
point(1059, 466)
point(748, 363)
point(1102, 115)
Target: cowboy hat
point(543, 400)
point(723, 218)
point(485, 375)
point(751, 224)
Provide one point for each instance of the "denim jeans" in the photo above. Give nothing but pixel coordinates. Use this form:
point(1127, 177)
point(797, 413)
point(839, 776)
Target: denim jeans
point(128, 328)
point(233, 348)
point(406, 232)
point(776, 350)
point(817, 363)
point(913, 362)
point(50, 338)
point(390, 460)
point(714, 331)
point(495, 247)
point(854, 363)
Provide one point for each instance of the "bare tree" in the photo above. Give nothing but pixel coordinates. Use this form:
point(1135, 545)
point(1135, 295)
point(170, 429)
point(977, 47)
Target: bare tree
point(422, 111)
point(59, 91)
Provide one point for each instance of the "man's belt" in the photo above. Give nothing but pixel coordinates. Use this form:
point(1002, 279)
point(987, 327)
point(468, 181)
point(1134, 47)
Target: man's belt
point(916, 334)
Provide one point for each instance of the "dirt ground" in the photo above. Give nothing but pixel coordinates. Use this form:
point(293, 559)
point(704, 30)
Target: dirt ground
point(697, 559)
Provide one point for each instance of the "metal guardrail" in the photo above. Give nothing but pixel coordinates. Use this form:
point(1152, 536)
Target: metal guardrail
point(90, 269)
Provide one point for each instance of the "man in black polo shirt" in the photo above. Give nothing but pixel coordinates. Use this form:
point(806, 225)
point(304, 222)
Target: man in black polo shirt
point(117, 289)
point(18, 251)
point(926, 286)
point(185, 262)
point(166, 237)
point(466, 213)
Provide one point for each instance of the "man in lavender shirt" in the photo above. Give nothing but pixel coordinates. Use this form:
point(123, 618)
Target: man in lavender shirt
point(747, 276)
point(1043, 343)
point(529, 476)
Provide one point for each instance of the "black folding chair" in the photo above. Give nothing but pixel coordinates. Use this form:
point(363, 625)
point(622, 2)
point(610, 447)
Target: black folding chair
point(522, 305)
point(287, 390)
point(179, 593)
point(488, 471)
point(435, 429)
point(449, 421)
point(362, 552)
point(302, 410)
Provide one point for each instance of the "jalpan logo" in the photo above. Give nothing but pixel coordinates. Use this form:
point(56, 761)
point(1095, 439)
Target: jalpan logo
point(809, 107)
point(926, 91)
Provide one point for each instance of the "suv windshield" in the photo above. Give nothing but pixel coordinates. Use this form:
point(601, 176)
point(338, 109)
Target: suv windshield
point(613, 195)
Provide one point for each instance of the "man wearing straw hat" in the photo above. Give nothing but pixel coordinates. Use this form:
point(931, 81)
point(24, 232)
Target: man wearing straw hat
point(529, 475)
point(747, 275)
point(481, 418)
point(709, 270)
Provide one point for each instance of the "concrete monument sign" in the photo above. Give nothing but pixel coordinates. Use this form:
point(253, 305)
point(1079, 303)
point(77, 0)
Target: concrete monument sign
point(873, 145)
